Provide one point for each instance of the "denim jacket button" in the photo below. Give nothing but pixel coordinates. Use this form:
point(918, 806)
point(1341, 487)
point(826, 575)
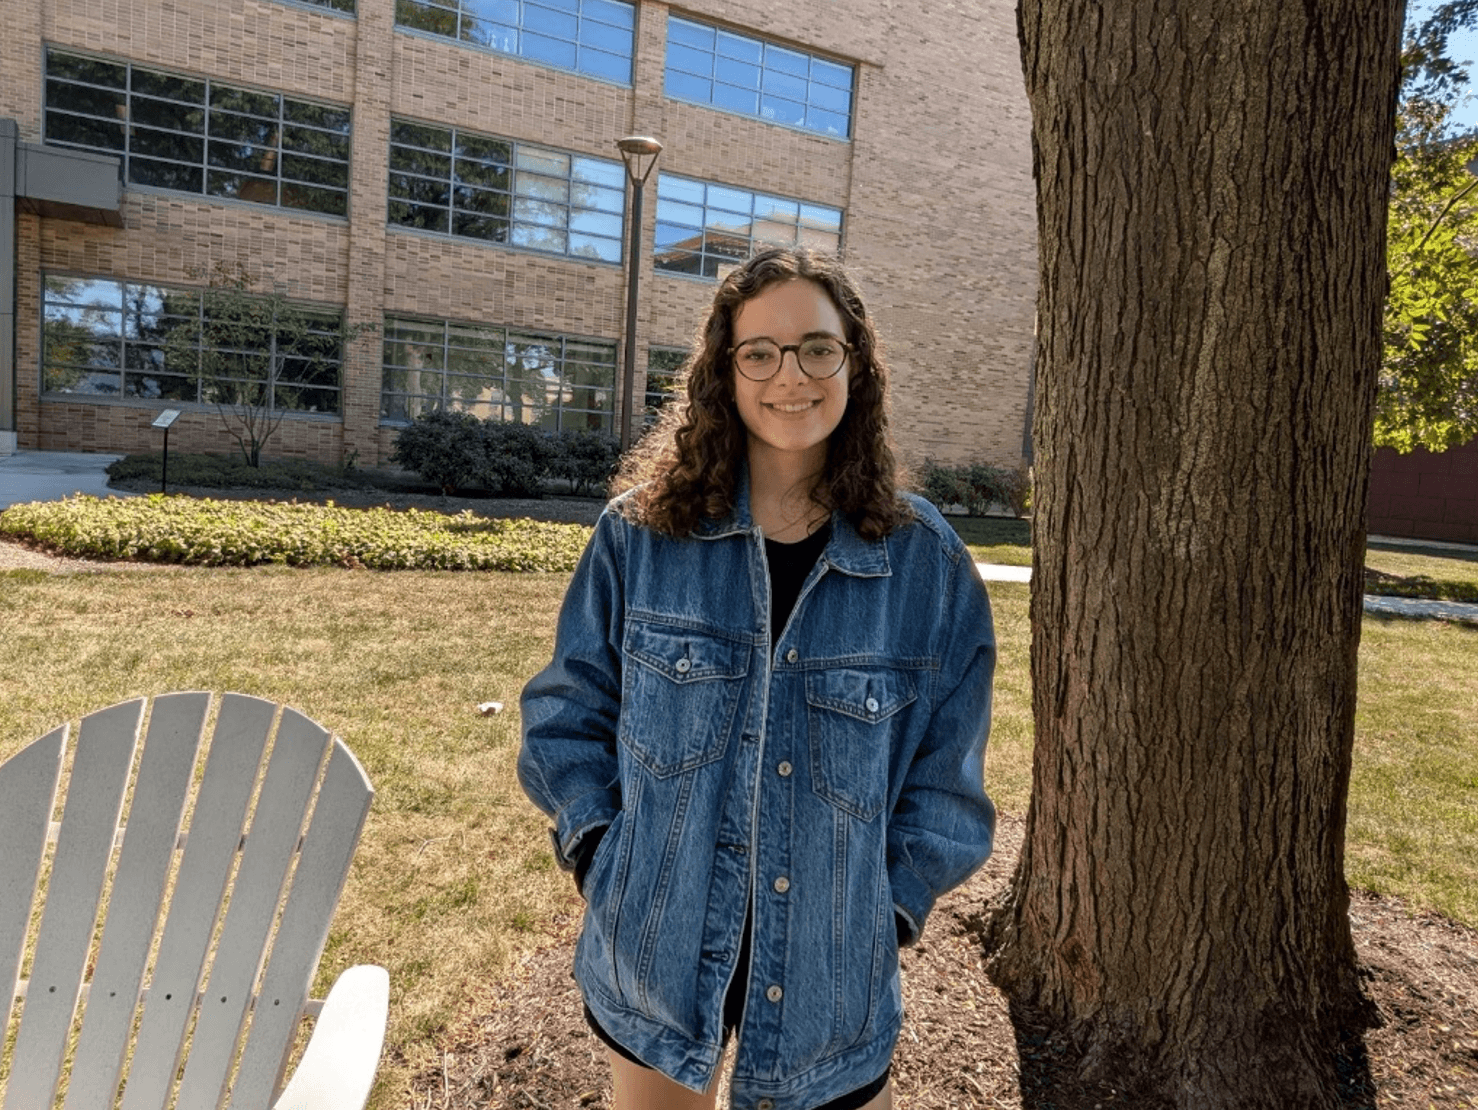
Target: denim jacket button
point(684, 666)
point(783, 769)
point(792, 655)
point(774, 993)
point(782, 884)
point(872, 703)
point(766, 1104)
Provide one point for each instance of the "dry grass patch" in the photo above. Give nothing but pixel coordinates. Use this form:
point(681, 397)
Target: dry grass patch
point(1008, 765)
point(454, 882)
point(454, 875)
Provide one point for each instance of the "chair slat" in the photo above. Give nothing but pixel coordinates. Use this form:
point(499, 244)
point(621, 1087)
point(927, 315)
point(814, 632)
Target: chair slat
point(292, 771)
point(323, 865)
point(240, 737)
point(105, 748)
point(27, 794)
point(170, 748)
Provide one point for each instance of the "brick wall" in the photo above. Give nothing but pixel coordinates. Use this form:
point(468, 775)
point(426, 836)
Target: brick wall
point(935, 185)
point(1425, 496)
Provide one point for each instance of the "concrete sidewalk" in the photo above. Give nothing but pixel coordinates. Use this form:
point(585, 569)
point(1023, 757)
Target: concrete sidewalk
point(1375, 604)
point(52, 475)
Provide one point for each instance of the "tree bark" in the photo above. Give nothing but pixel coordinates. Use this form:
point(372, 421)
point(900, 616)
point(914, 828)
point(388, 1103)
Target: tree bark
point(1212, 188)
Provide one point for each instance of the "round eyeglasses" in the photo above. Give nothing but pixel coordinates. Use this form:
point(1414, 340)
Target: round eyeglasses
point(819, 357)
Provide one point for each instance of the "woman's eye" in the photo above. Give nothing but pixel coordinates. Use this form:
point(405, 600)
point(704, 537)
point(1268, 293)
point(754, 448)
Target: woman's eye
point(820, 350)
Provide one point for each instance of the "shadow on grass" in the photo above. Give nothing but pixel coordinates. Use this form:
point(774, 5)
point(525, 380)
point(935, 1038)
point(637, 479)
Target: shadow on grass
point(993, 531)
point(1464, 554)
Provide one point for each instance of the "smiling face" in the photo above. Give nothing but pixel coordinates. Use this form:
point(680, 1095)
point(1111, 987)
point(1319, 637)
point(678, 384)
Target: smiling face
point(790, 417)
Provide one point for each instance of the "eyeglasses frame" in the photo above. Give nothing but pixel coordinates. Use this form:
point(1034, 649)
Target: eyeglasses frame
point(848, 350)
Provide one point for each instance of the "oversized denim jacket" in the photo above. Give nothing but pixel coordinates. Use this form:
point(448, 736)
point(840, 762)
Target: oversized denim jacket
point(838, 780)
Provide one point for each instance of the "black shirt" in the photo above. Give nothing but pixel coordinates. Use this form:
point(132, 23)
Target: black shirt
point(789, 565)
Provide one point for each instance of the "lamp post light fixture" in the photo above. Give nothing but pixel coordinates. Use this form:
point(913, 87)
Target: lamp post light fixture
point(639, 152)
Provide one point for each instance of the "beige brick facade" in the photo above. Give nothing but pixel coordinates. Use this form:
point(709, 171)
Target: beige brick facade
point(934, 185)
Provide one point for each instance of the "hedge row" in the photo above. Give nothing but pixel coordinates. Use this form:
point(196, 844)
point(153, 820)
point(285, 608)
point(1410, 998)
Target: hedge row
point(455, 450)
point(167, 529)
point(976, 487)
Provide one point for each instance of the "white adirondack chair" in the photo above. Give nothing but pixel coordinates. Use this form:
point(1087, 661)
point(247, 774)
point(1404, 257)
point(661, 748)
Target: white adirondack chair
point(205, 869)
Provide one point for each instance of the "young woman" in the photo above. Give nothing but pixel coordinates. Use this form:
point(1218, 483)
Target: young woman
point(762, 736)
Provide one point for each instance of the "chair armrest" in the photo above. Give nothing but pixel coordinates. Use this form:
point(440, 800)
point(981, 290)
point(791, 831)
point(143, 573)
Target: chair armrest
point(338, 1066)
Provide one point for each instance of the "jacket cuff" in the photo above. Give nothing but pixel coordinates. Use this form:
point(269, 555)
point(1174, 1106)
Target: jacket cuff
point(593, 809)
point(912, 901)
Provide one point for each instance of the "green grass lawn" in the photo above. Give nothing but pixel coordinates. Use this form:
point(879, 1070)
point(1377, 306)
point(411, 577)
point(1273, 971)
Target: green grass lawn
point(1447, 574)
point(454, 878)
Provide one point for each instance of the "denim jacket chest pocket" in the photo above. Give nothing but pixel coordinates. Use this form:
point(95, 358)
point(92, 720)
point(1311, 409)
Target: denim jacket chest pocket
point(680, 689)
point(850, 713)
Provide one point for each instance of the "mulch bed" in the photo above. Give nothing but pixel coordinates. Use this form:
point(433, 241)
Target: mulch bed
point(525, 1045)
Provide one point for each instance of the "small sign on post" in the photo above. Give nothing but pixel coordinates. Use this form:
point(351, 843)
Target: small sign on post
point(164, 420)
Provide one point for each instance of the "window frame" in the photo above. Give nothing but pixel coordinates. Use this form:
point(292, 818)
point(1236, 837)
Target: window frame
point(506, 407)
point(326, 7)
point(674, 203)
point(291, 116)
point(654, 403)
point(459, 33)
point(121, 342)
point(770, 80)
point(518, 198)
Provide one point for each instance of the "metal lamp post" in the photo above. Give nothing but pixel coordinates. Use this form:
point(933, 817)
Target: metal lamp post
point(639, 152)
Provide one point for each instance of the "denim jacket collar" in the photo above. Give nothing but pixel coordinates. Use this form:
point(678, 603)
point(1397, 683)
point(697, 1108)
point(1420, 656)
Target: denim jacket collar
point(846, 551)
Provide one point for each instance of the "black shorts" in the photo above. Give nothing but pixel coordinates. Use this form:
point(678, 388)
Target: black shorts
point(852, 1100)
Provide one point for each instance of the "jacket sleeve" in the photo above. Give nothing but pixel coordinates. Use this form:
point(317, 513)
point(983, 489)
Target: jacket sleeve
point(567, 764)
point(942, 827)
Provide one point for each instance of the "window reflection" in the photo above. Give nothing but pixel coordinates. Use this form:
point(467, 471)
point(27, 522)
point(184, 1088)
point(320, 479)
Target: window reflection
point(499, 191)
point(199, 136)
point(544, 379)
point(593, 37)
point(742, 74)
point(103, 337)
point(704, 229)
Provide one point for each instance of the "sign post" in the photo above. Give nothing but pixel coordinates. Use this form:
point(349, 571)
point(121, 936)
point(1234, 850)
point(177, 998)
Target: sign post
point(164, 420)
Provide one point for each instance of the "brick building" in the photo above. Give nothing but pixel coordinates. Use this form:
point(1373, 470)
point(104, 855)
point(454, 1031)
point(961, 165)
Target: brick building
point(449, 175)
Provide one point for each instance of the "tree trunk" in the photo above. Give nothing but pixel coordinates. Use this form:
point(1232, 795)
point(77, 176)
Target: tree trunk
point(1212, 186)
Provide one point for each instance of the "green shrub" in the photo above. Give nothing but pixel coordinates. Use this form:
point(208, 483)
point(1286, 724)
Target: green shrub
point(445, 448)
point(453, 450)
point(586, 460)
point(976, 486)
point(166, 529)
point(514, 458)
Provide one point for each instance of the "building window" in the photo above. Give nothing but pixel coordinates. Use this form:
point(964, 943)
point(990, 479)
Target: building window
point(459, 183)
point(201, 136)
point(107, 338)
point(593, 37)
point(663, 365)
point(707, 65)
point(336, 5)
point(557, 382)
point(705, 229)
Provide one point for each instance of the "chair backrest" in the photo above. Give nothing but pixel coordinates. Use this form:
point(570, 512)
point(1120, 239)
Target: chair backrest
point(227, 876)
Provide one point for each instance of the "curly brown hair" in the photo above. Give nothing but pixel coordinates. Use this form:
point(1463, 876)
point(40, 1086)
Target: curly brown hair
point(688, 466)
